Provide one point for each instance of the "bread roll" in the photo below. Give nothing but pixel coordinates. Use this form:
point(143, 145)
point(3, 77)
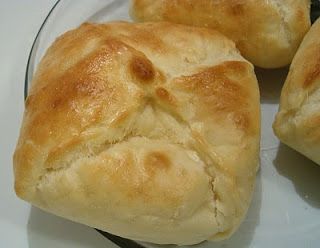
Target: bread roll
point(147, 131)
point(297, 123)
point(267, 32)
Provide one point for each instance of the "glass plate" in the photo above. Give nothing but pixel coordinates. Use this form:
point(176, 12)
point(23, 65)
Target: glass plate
point(285, 210)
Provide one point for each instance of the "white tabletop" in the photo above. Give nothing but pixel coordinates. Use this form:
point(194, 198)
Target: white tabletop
point(21, 225)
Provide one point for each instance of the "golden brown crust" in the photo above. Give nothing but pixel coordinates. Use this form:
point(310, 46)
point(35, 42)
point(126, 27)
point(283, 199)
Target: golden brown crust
point(297, 122)
point(150, 139)
point(142, 69)
point(314, 69)
point(266, 32)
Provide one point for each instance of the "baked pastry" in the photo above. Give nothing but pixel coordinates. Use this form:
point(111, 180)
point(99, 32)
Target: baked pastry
point(267, 33)
point(297, 123)
point(148, 131)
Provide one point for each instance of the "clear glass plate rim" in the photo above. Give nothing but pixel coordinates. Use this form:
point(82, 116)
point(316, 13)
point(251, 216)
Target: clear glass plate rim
point(30, 63)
